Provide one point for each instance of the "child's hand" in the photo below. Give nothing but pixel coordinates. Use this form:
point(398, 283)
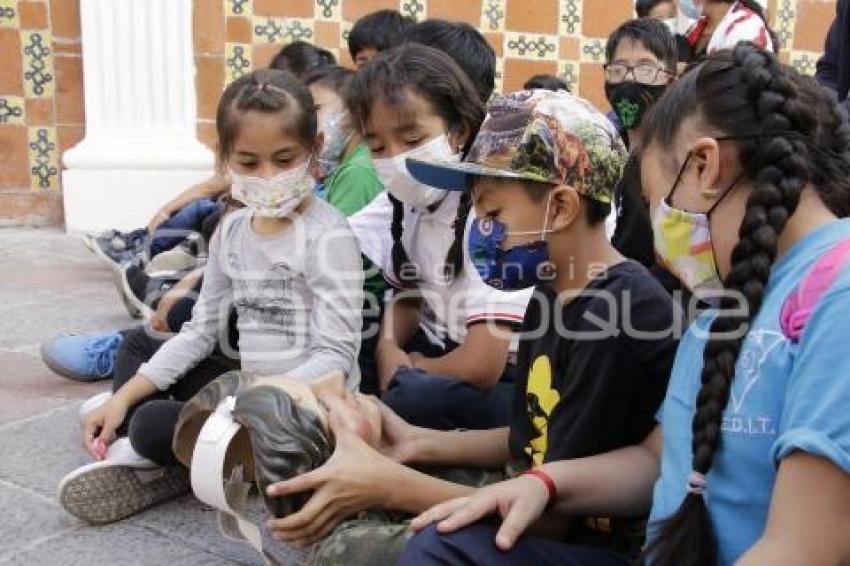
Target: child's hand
point(519, 501)
point(389, 358)
point(355, 478)
point(99, 426)
point(159, 320)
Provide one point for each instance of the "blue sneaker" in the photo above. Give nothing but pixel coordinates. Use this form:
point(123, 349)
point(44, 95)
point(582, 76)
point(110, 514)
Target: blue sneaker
point(82, 357)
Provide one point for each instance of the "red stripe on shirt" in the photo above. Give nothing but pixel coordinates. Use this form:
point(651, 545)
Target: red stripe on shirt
point(494, 316)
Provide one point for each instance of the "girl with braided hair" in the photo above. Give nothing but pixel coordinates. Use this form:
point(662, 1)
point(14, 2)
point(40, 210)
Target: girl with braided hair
point(445, 339)
point(746, 165)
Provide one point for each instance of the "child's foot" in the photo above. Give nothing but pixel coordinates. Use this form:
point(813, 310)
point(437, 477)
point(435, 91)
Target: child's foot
point(114, 247)
point(122, 485)
point(82, 357)
point(141, 292)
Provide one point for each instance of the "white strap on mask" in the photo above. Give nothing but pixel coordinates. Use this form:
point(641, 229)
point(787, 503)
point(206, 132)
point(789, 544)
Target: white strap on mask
point(207, 471)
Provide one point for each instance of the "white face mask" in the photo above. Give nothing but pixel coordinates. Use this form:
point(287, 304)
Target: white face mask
point(398, 180)
point(275, 197)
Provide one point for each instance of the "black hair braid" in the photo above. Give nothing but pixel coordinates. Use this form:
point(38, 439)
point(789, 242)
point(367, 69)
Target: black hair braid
point(454, 258)
point(404, 269)
point(831, 156)
point(778, 165)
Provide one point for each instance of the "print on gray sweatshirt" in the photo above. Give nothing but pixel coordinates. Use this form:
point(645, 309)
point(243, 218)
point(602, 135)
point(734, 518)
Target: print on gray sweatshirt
point(298, 297)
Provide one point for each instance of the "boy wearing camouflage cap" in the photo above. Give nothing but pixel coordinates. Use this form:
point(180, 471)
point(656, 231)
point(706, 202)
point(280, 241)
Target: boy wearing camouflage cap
point(596, 347)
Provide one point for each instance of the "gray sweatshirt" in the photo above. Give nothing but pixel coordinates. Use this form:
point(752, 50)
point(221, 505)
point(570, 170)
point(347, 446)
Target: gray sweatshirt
point(298, 297)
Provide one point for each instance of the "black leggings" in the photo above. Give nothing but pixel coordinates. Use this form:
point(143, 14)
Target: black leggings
point(150, 424)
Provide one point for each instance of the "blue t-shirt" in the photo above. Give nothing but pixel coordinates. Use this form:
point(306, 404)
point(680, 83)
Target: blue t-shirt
point(785, 397)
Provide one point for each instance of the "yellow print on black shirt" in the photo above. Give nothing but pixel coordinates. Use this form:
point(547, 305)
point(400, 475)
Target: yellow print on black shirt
point(540, 400)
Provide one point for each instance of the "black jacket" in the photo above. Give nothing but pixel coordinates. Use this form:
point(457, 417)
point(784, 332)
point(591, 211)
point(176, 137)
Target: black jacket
point(833, 69)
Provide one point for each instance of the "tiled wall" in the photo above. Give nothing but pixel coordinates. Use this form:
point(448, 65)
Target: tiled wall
point(41, 105)
point(41, 108)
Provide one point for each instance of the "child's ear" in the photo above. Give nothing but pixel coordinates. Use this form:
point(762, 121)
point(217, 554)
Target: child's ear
point(707, 163)
point(564, 207)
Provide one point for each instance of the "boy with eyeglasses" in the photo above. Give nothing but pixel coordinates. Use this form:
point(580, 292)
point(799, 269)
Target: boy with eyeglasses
point(640, 64)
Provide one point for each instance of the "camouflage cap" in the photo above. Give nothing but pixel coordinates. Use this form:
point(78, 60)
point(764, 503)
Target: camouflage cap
point(539, 135)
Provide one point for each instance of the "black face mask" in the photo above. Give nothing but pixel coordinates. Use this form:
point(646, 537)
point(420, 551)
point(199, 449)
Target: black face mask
point(631, 100)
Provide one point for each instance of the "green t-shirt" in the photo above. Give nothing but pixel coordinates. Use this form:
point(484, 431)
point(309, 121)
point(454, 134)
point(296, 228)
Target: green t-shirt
point(351, 187)
point(354, 183)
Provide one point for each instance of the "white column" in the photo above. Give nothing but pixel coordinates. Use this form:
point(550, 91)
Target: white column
point(140, 147)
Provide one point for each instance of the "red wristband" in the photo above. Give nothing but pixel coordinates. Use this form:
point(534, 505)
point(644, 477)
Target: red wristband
point(547, 481)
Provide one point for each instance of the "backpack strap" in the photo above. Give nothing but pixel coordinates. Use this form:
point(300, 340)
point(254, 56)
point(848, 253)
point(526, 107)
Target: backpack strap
point(800, 304)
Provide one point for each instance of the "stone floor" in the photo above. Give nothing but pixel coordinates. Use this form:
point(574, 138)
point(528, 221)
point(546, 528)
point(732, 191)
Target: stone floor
point(50, 284)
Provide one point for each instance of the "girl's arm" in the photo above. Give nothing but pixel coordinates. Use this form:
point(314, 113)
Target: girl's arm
point(480, 360)
point(198, 337)
point(809, 519)
point(335, 277)
point(399, 324)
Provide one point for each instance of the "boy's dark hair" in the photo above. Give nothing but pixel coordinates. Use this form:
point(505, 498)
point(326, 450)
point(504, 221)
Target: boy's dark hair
point(379, 30)
point(652, 34)
point(269, 91)
point(300, 57)
point(644, 7)
point(465, 45)
point(333, 77)
point(788, 133)
point(433, 75)
point(546, 82)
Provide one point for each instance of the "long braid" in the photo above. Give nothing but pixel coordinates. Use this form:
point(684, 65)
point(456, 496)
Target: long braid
point(404, 270)
point(778, 164)
point(454, 257)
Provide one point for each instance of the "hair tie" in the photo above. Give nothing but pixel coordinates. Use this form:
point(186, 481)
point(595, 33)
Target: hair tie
point(697, 483)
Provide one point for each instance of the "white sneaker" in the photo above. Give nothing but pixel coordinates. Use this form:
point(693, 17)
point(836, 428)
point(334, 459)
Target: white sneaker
point(123, 484)
point(93, 403)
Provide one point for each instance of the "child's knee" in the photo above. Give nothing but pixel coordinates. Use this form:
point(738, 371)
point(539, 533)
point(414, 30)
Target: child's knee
point(418, 397)
point(151, 429)
point(428, 547)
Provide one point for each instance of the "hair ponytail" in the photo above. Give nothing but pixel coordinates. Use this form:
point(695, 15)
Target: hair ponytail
point(743, 93)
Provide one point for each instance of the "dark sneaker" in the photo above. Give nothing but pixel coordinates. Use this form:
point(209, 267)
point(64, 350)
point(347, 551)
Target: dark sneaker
point(141, 292)
point(115, 247)
point(82, 357)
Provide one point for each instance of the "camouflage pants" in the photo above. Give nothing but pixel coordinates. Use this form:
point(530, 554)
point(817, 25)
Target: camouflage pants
point(377, 538)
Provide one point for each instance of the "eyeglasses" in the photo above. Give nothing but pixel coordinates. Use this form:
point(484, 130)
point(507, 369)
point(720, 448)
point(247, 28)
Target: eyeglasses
point(645, 73)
